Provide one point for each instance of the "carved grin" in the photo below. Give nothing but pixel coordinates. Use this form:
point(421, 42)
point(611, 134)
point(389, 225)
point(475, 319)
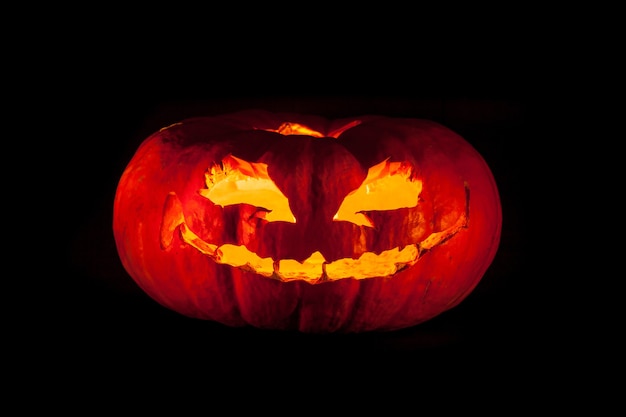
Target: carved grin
point(315, 268)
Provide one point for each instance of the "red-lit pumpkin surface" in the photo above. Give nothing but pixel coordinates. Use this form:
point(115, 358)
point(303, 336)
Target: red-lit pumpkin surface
point(296, 222)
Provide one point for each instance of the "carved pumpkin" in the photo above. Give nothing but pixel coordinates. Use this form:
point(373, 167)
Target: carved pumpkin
point(295, 222)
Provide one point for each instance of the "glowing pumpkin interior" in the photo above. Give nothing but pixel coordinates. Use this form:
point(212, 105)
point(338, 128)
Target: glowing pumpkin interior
point(389, 185)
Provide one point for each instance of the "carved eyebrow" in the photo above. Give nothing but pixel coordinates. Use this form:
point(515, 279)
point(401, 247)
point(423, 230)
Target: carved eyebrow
point(388, 186)
point(393, 181)
point(237, 181)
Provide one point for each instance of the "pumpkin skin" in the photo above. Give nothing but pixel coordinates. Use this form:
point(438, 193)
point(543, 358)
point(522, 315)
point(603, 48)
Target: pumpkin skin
point(172, 239)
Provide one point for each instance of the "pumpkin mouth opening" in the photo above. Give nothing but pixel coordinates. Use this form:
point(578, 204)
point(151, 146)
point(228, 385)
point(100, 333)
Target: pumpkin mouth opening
point(314, 269)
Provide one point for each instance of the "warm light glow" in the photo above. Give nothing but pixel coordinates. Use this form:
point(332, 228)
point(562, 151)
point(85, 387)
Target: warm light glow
point(386, 236)
point(388, 186)
point(237, 182)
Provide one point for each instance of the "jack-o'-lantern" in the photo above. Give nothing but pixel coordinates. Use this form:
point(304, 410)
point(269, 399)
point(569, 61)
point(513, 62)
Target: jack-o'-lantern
point(297, 222)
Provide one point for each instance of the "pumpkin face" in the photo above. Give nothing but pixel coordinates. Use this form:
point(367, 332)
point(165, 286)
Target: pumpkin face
point(295, 222)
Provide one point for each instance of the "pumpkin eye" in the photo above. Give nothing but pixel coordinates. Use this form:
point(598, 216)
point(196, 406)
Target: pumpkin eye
point(388, 186)
point(236, 181)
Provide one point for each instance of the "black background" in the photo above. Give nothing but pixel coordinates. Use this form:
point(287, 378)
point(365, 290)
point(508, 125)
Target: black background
point(532, 88)
point(96, 110)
